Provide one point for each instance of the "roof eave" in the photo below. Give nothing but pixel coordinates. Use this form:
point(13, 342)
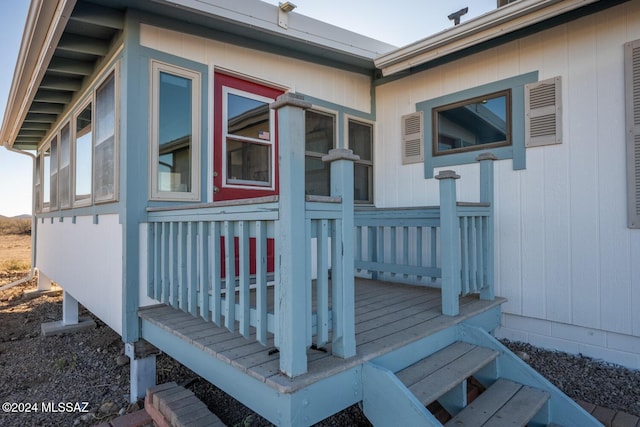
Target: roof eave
point(45, 23)
point(491, 25)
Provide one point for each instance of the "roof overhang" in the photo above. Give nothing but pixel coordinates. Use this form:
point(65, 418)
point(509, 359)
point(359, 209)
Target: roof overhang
point(495, 24)
point(65, 41)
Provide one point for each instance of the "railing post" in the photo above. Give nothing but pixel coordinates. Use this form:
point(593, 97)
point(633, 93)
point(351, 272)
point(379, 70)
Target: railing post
point(342, 278)
point(291, 290)
point(486, 196)
point(449, 243)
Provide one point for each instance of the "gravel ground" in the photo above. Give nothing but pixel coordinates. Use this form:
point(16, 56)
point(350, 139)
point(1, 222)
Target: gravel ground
point(40, 373)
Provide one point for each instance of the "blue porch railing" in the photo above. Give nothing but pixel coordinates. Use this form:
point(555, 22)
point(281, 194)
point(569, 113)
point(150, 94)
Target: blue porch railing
point(219, 260)
point(448, 246)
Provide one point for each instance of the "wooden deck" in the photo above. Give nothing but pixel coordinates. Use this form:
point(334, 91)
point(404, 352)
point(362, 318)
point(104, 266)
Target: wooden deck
point(388, 317)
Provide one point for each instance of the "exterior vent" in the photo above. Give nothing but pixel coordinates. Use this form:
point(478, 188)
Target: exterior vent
point(632, 90)
point(412, 138)
point(543, 113)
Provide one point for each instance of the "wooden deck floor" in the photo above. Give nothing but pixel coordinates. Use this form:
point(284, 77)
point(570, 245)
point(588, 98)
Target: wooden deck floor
point(388, 316)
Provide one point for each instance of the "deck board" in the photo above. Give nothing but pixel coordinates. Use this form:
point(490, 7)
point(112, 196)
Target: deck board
point(388, 316)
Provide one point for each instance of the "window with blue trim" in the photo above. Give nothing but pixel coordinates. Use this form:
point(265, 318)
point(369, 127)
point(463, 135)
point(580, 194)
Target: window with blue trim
point(460, 126)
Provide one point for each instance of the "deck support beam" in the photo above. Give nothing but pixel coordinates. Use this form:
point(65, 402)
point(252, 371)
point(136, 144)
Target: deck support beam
point(291, 288)
point(69, 309)
point(449, 243)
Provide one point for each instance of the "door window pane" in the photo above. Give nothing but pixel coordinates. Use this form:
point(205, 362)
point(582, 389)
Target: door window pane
point(83, 154)
point(248, 162)
point(248, 117)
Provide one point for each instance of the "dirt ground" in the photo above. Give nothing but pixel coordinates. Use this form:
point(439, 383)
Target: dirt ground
point(14, 247)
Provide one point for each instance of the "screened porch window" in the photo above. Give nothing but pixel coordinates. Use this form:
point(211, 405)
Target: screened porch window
point(320, 131)
point(104, 180)
point(64, 174)
point(83, 155)
point(361, 143)
point(472, 124)
point(175, 133)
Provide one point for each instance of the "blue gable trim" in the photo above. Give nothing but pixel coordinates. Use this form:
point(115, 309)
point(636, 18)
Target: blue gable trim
point(517, 149)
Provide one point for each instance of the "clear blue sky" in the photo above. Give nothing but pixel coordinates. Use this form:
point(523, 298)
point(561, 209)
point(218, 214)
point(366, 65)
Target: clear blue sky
point(399, 22)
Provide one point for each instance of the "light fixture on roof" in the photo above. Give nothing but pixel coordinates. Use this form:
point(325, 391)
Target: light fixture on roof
point(455, 16)
point(283, 13)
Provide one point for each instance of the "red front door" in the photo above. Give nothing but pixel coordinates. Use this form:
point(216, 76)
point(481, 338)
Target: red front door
point(245, 148)
point(245, 144)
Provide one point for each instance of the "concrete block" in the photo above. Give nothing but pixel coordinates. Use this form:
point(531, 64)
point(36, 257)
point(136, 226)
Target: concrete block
point(622, 419)
point(135, 419)
point(37, 293)
point(604, 415)
point(57, 328)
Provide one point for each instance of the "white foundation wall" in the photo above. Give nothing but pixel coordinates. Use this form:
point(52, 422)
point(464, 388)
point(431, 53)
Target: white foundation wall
point(329, 84)
point(565, 257)
point(85, 259)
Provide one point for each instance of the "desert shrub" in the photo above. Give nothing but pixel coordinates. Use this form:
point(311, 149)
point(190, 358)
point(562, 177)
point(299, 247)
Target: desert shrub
point(20, 226)
point(14, 265)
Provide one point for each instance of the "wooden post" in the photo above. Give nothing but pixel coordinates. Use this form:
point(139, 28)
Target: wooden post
point(291, 290)
point(486, 196)
point(342, 278)
point(449, 243)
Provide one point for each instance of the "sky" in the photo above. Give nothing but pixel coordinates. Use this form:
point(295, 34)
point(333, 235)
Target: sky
point(399, 23)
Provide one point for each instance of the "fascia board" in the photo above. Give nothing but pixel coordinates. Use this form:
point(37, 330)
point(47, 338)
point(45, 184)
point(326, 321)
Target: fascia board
point(485, 27)
point(45, 23)
point(261, 16)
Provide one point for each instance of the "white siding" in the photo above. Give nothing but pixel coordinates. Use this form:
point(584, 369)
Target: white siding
point(341, 87)
point(86, 260)
point(564, 254)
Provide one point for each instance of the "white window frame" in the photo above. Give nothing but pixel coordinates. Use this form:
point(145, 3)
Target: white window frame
point(249, 185)
point(156, 67)
point(371, 162)
point(74, 124)
point(45, 177)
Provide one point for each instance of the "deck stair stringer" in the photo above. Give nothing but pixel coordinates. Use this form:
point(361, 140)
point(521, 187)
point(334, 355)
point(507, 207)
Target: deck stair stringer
point(559, 409)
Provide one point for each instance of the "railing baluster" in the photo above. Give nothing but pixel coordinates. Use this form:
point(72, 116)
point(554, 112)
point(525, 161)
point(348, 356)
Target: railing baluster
point(310, 231)
point(203, 262)
point(192, 271)
point(372, 244)
point(166, 261)
point(173, 263)
point(230, 276)
point(183, 290)
point(464, 238)
point(261, 282)
point(216, 272)
point(244, 299)
point(405, 247)
point(156, 262)
point(394, 247)
point(434, 250)
point(419, 250)
point(322, 284)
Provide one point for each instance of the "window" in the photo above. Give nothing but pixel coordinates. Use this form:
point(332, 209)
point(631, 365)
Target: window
point(461, 125)
point(472, 124)
point(175, 134)
point(46, 178)
point(83, 156)
point(38, 183)
point(361, 143)
point(64, 174)
point(104, 176)
point(248, 139)
point(53, 164)
point(319, 139)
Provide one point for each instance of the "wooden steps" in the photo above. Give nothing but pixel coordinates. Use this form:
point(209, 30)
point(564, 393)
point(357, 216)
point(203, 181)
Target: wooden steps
point(504, 403)
point(439, 373)
point(446, 371)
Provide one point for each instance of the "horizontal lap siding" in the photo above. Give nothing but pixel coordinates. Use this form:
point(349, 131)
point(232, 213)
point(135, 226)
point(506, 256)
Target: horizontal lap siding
point(86, 260)
point(563, 249)
point(341, 87)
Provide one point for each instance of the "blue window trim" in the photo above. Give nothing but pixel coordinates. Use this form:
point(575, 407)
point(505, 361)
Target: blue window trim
point(515, 151)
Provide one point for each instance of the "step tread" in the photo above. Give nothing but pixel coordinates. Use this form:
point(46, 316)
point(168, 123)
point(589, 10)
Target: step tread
point(435, 375)
point(504, 403)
